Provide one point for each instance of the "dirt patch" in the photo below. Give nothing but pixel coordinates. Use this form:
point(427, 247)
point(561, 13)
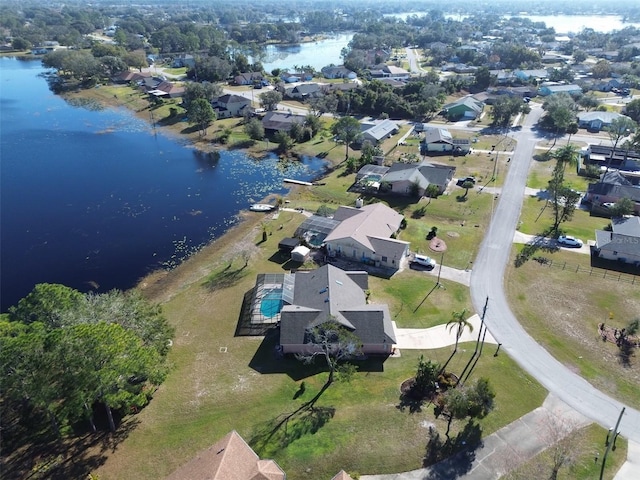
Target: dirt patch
point(437, 245)
point(453, 234)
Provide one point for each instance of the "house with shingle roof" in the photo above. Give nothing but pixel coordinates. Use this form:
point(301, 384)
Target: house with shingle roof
point(231, 105)
point(248, 78)
point(365, 235)
point(231, 458)
point(612, 191)
point(622, 243)
point(281, 122)
point(304, 90)
point(331, 294)
point(342, 475)
point(440, 140)
point(415, 178)
point(596, 121)
point(338, 71)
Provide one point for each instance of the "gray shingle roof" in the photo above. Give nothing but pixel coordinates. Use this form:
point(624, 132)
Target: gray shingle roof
point(331, 293)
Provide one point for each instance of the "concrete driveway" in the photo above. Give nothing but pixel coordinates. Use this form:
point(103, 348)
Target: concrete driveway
point(438, 337)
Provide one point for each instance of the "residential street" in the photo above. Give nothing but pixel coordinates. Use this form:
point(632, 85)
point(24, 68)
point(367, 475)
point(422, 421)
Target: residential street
point(487, 280)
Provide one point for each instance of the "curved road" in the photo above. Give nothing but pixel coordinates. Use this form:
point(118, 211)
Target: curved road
point(487, 279)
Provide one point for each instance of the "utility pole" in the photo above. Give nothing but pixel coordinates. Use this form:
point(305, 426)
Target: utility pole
point(611, 441)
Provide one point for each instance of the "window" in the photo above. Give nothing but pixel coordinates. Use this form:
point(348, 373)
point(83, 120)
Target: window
point(384, 259)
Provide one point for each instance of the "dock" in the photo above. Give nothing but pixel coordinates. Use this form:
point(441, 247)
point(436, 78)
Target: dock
point(297, 182)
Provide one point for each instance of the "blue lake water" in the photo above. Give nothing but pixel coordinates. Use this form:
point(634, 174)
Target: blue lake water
point(316, 54)
point(95, 199)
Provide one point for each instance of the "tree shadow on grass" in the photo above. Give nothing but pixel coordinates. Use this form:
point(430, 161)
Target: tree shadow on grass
point(227, 276)
point(411, 398)
point(540, 242)
point(268, 359)
point(279, 432)
point(455, 456)
point(40, 454)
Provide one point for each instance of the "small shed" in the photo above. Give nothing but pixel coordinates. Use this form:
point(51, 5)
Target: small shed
point(300, 253)
point(288, 244)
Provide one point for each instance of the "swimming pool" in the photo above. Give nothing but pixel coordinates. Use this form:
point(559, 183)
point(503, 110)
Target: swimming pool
point(271, 303)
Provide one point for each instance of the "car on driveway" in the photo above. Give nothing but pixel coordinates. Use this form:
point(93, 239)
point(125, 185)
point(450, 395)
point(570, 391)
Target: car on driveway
point(422, 261)
point(461, 181)
point(567, 241)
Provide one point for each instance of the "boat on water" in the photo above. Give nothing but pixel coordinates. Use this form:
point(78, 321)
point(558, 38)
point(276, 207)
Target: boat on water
point(261, 207)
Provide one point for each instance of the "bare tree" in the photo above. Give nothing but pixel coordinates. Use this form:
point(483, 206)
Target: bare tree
point(566, 447)
point(335, 344)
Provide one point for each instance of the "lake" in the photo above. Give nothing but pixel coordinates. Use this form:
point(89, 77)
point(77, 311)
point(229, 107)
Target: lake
point(95, 199)
point(316, 54)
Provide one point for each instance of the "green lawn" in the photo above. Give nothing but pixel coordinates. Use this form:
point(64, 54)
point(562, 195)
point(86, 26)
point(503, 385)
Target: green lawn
point(537, 217)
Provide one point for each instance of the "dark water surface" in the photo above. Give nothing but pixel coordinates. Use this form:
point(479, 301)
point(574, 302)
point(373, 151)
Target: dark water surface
point(93, 198)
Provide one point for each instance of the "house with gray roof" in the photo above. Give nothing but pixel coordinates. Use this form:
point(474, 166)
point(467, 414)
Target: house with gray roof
point(596, 121)
point(622, 243)
point(440, 140)
point(331, 294)
point(365, 235)
point(231, 105)
point(613, 187)
point(379, 131)
point(546, 90)
point(338, 71)
point(414, 178)
point(304, 90)
point(280, 122)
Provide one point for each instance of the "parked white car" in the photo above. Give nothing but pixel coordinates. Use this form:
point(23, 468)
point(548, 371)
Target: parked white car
point(567, 241)
point(424, 261)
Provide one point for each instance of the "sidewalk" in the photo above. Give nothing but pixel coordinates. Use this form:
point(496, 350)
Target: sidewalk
point(496, 455)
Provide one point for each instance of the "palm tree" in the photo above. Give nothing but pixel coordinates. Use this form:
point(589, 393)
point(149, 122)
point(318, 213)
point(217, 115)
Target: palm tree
point(459, 320)
point(566, 155)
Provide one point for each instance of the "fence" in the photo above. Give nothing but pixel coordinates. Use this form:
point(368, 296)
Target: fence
point(592, 271)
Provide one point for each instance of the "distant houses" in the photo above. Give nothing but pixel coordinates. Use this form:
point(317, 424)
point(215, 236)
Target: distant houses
point(249, 78)
point(572, 89)
point(340, 71)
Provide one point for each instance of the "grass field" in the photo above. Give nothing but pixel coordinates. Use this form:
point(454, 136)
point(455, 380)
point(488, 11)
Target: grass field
point(562, 307)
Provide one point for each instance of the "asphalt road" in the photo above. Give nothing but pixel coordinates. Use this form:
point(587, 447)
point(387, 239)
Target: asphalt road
point(487, 280)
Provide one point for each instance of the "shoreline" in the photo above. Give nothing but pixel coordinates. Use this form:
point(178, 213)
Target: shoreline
point(161, 285)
